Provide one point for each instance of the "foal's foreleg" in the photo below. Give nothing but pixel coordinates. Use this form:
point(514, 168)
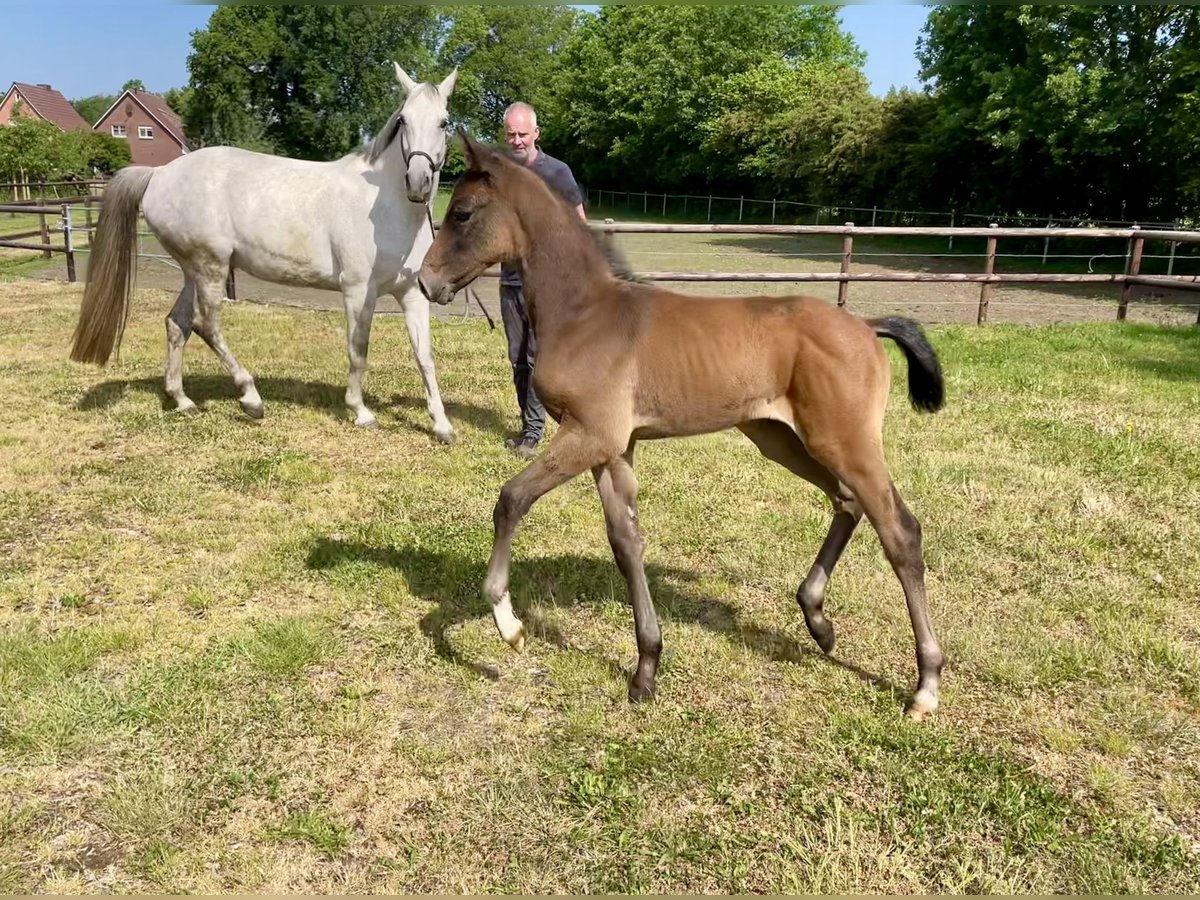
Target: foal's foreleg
point(416, 317)
point(207, 323)
point(359, 300)
point(618, 494)
point(179, 329)
point(571, 451)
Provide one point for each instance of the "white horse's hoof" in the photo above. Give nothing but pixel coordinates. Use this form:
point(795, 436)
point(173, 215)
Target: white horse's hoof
point(371, 423)
point(253, 409)
point(445, 437)
point(188, 409)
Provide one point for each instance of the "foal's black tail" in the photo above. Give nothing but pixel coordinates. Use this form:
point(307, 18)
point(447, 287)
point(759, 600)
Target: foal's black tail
point(926, 387)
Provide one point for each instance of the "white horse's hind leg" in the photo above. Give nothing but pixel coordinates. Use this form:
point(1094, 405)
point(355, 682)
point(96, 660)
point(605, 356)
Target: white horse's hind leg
point(360, 310)
point(207, 323)
point(416, 317)
point(179, 329)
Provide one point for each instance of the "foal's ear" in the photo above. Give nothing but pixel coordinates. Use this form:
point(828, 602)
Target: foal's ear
point(476, 156)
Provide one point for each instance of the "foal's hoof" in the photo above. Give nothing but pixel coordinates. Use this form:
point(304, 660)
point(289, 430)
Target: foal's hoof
point(445, 437)
point(253, 409)
point(822, 633)
point(640, 693)
point(924, 703)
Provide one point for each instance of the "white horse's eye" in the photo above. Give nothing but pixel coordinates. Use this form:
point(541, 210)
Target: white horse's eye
point(445, 124)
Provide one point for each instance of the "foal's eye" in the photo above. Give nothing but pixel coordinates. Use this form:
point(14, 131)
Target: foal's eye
point(460, 215)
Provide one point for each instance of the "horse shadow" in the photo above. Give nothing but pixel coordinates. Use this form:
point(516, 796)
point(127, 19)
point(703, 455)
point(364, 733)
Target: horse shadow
point(317, 395)
point(450, 583)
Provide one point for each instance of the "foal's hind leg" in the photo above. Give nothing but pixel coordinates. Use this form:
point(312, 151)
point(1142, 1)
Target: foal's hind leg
point(779, 443)
point(209, 293)
point(865, 472)
point(179, 329)
point(618, 494)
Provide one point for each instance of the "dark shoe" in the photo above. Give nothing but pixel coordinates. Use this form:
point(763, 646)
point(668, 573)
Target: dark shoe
point(525, 448)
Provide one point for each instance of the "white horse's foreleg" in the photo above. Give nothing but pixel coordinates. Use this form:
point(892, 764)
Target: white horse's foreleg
point(179, 329)
point(360, 310)
point(416, 317)
point(207, 323)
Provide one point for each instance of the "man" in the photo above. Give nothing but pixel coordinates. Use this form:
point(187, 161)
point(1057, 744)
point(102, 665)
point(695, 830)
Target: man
point(521, 133)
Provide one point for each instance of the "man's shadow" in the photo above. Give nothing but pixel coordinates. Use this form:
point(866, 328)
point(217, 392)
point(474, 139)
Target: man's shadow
point(452, 583)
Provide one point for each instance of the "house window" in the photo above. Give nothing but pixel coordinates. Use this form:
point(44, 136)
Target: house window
point(118, 131)
point(145, 132)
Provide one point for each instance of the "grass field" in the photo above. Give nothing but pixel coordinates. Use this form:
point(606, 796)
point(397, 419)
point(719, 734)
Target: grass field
point(241, 656)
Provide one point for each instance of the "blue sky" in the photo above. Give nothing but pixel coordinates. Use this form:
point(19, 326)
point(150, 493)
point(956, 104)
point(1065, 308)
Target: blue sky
point(85, 47)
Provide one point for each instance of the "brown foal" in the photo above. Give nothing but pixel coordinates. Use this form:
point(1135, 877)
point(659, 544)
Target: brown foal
point(619, 362)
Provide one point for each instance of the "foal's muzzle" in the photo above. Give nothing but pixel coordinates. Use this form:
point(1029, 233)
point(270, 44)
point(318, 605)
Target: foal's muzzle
point(436, 290)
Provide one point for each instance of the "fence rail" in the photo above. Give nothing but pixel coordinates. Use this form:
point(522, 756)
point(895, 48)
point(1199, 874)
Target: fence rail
point(1134, 238)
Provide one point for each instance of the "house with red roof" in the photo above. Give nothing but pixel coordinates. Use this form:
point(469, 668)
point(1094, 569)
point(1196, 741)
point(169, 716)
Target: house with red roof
point(154, 132)
point(40, 101)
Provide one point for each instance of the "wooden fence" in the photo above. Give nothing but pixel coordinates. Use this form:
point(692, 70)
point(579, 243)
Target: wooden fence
point(1134, 237)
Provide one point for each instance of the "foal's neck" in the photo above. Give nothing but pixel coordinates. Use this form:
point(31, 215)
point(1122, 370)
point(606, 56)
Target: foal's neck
point(562, 265)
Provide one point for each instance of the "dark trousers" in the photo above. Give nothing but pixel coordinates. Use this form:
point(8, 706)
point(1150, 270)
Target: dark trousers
point(522, 348)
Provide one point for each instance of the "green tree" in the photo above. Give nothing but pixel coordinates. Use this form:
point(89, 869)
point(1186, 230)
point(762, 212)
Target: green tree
point(1070, 108)
point(29, 149)
point(133, 84)
point(178, 99)
point(504, 54)
point(638, 83)
point(800, 129)
point(82, 154)
point(93, 107)
point(305, 81)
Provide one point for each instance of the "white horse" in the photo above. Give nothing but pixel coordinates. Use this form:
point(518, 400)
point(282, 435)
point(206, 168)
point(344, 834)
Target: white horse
point(360, 224)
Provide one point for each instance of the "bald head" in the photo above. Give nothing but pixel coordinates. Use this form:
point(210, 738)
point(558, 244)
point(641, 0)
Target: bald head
point(521, 132)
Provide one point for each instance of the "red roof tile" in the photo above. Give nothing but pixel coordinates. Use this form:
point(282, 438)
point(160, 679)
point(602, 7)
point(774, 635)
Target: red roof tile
point(52, 106)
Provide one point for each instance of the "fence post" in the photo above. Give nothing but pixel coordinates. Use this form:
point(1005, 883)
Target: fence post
point(741, 204)
point(874, 210)
point(1133, 265)
point(87, 216)
point(817, 220)
point(230, 285)
point(68, 243)
point(1046, 245)
point(709, 218)
point(664, 204)
point(951, 247)
point(1171, 258)
point(772, 211)
point(989, 267)
point(45, 228)
point(847, 248)
point(645, 202)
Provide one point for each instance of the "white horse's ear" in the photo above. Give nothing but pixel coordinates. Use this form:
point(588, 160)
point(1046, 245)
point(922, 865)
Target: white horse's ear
point(401, 76)
point(446, 88)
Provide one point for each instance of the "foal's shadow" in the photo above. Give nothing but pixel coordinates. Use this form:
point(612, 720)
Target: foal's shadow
point(451, 583)
point(318, 395)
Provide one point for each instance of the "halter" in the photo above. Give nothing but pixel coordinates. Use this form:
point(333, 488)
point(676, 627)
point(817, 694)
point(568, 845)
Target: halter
point(437, 167)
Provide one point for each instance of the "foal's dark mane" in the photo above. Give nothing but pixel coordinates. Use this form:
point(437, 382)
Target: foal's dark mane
point(618, 265)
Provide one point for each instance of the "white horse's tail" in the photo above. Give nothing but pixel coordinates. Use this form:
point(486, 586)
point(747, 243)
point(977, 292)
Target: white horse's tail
point(111, 268)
